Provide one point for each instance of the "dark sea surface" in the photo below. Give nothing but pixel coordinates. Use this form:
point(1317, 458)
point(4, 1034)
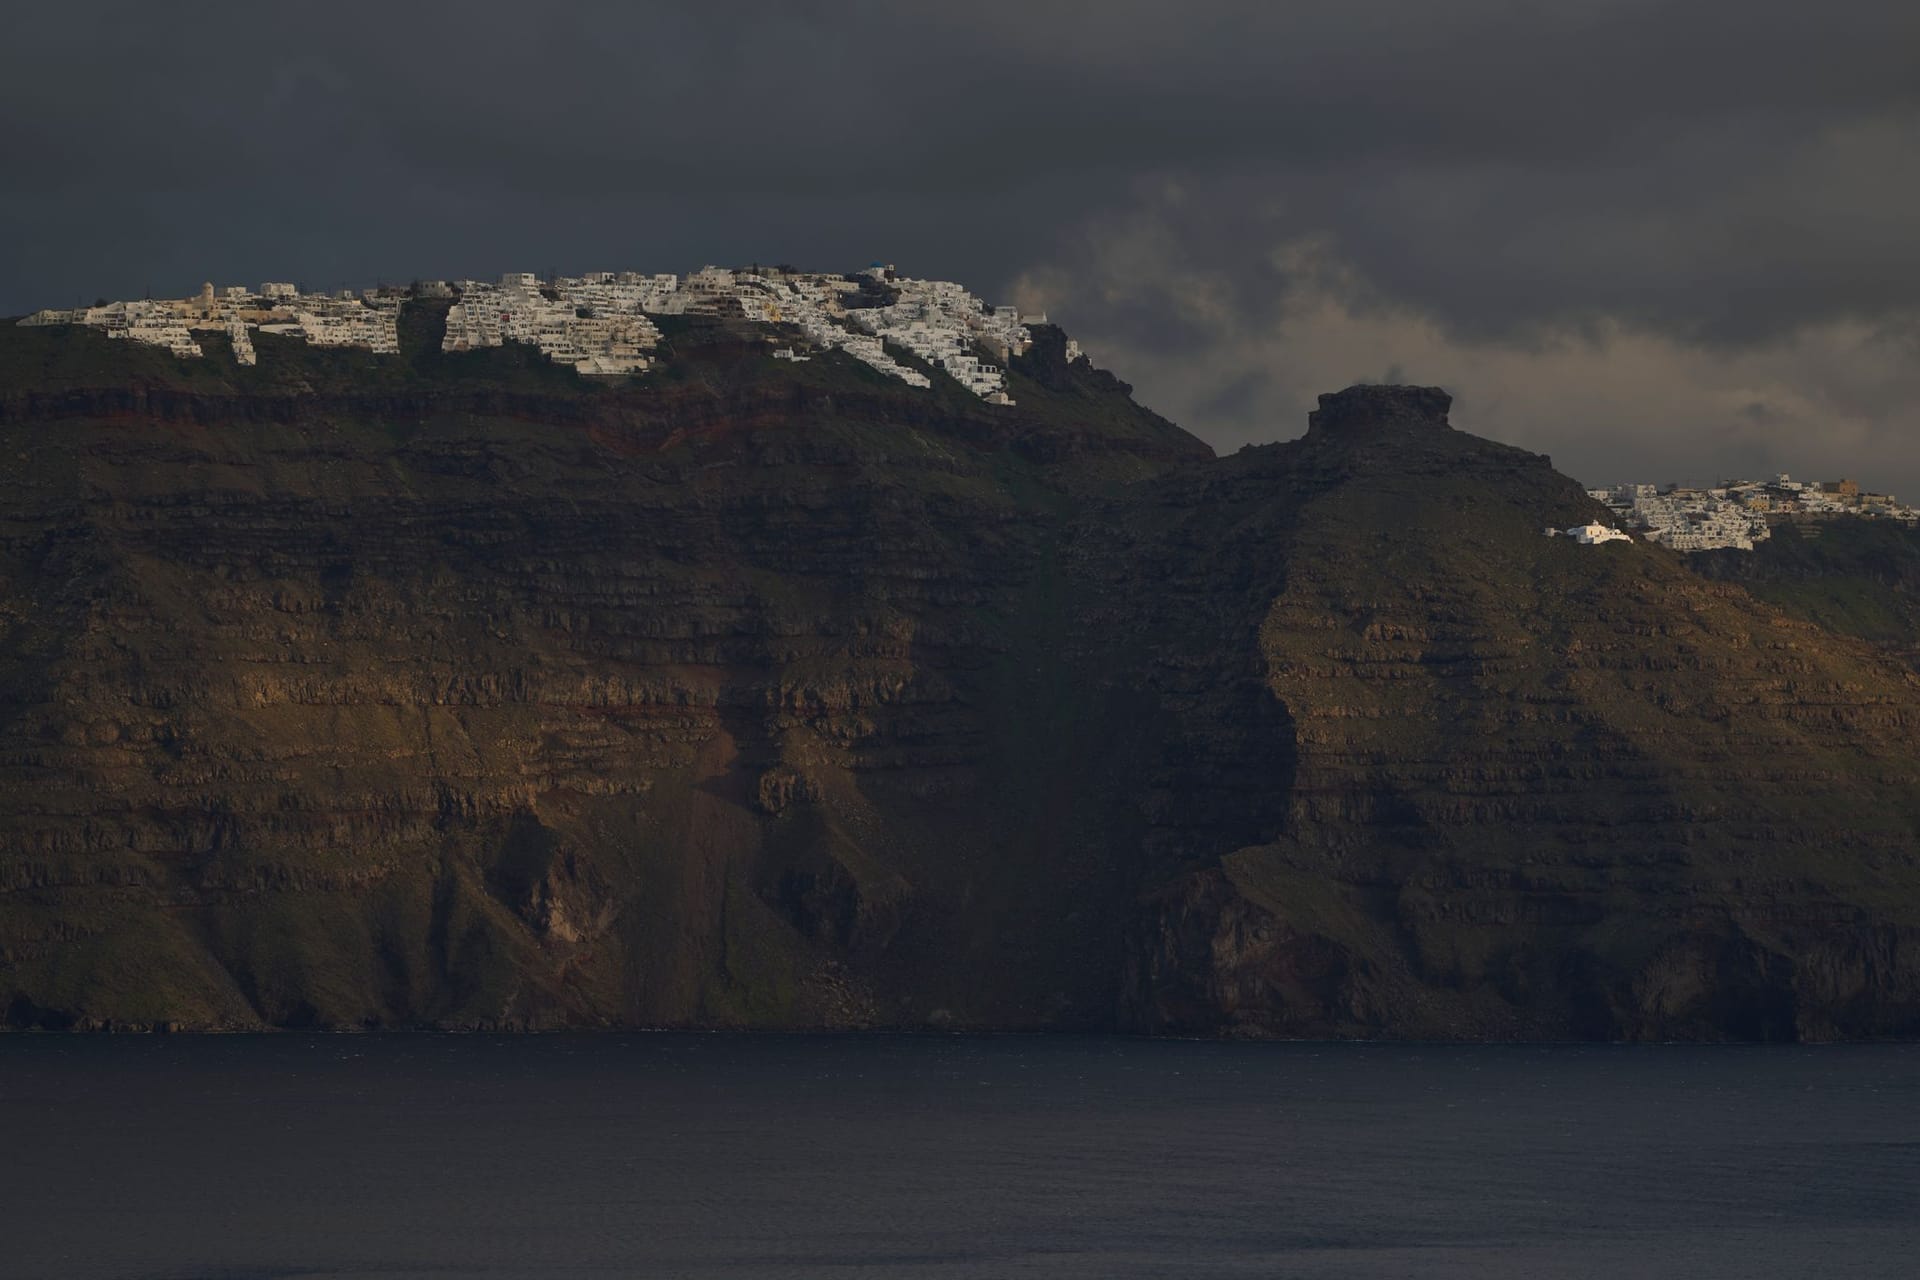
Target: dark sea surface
point(736, 1156)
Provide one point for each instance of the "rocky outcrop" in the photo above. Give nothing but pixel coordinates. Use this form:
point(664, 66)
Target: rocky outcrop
point(1536, 789)
point(1379, 409)
point(453, 692)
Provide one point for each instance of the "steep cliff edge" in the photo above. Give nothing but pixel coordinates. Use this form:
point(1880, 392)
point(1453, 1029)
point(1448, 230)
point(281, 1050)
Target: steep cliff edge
point(455, 691)
point(452, 691)
point(1535, 789)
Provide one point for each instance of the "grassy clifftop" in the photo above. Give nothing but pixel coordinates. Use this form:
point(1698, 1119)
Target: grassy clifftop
point(1855, 577)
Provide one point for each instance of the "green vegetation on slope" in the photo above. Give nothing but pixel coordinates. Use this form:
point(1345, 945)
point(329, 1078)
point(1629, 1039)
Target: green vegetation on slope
point(1855, 577)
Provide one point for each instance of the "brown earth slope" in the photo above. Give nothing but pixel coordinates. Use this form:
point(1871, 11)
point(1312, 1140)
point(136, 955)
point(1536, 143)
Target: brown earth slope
point(1535, 788)
point(448, 691)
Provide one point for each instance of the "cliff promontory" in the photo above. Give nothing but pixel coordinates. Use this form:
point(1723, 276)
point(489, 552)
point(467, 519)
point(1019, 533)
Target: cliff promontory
point(456, 690)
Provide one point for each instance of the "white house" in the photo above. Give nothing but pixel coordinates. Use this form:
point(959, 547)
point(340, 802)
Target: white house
point(1588, 535)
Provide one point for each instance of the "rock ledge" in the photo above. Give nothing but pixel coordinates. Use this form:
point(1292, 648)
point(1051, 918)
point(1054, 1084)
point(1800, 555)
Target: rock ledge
point(1379, 406)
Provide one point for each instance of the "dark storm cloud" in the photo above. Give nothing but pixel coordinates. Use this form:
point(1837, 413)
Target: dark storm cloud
point(1725, 179)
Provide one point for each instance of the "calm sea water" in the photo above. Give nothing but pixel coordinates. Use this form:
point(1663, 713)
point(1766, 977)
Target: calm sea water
point(737, 1156)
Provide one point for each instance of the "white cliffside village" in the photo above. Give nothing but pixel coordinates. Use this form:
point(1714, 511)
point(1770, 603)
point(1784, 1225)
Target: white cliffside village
point(602, 324)
point(1740, 513)
point(598, 324)
point(346, 319)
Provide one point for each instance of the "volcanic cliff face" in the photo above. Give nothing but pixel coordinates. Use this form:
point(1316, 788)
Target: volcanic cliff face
point(455, 691)
point(356, 693)
point(1535, 788)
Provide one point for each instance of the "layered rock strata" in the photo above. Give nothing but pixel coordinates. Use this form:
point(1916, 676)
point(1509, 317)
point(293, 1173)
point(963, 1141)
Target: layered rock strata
point(464, 694)
point(1532, 789)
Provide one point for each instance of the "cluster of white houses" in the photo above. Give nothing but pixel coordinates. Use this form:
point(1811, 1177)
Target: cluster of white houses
point(601, 323)
point(1684, 519)
point(346, 319)
point(1740, 513)
point(598, 324)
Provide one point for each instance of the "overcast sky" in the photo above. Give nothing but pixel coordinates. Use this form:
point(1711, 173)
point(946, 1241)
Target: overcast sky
point(1656, 240)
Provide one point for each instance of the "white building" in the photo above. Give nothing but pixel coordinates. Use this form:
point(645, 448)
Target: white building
point(594, 323)
point(947, 327)
point(1588, 535)
point(1739, 514)
point(242, 342)
point(600, 322)
point(1685, 519)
